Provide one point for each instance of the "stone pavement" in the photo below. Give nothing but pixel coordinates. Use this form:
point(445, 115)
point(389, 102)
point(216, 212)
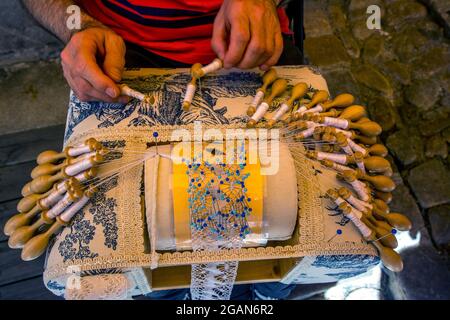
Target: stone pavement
point(401, 73)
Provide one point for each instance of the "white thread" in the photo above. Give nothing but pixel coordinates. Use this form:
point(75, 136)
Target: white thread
point(257, 99)
point(213, 66)
point(360, 189)
point(190, 92)
point(335, 122)
point(84, 156)
point(301, 110)
point(341, 168)
point(346, 133)
point(365, 231)
point(52, 198)
point(281, 111)
point(127, 91)
point(81, 177)
point(338, 158)
point(75, 152)
point(316, 109)
point(262, 109)
point(59, 207)
point(78, 167)
point(307, 133)
point(358, 204)
point(62, 187)
point(347, 150)
point(361, 166)
point(312, 124)
point(339, 200)
point(356, 147)
point(68, 214)
point(154, 255)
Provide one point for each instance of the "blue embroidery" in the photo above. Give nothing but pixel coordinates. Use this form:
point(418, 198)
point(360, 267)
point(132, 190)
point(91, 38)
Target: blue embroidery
point(103, 211)
point(54, 286)
point(76, 244)
point(346, 261)
point(169, 91)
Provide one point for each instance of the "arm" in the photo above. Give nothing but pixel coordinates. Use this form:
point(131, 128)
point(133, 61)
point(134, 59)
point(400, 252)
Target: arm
point(94, 57)
point(52, 15)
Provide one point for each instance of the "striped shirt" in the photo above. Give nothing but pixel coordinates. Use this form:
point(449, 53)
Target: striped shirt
point(179, 30)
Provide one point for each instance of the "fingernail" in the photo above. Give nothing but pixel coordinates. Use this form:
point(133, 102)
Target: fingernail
point(111, 92)
point(264, 67)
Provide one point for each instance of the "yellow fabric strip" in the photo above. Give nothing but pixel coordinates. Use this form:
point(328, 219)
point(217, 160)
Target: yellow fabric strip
point(254, 191)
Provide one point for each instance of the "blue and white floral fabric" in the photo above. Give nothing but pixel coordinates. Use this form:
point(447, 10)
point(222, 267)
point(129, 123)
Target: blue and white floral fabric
point(109, 236)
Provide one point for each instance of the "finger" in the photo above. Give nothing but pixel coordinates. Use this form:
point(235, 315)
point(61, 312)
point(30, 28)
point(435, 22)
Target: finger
point(114, 62)
point(219, 37)
point(256, 52)
point(88, 69)
point(277, 53)
point(87, 90)
point(239, 38)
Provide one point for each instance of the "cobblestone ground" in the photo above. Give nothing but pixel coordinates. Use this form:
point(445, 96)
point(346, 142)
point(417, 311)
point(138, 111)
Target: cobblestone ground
point(401, 73)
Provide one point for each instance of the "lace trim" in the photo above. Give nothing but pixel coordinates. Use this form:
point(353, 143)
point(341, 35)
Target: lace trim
point(309, 237)
point(99, 287)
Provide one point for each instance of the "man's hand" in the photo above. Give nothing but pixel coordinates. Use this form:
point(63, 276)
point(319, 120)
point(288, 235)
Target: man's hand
point(247, 34)
point(93, 61)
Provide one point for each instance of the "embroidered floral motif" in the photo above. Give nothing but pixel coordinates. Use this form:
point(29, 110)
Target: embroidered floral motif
point(76, 244)
point(103, 211)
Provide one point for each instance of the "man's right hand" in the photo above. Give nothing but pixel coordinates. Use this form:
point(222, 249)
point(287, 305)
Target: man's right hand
point(93, 63)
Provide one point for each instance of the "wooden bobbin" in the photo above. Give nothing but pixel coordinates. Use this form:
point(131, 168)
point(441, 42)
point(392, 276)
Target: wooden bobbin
point(333, 113)
point(44, 183)
point(48, 169)
point(369, 128)
point(146, 99)
point(341, 100)
point(363, 139)
point(268, 78)
point(378, 150)
point(27, 203)
point(384, 235)
point(335, 166)
point(353, 113)
point(19, 220)
point(278, 87)
point(200, 71)
point(396, 220)
point(317, 98)
point(388, 256)
point(36, 246)
point(22, 234)
point(376, 164)
point(51, 156)
point(298, 91)
point(381, 183)
point(385, 196)
point(191, 87)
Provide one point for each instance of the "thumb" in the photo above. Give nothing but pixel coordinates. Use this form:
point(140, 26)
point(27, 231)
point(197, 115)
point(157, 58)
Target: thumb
point(114, 62)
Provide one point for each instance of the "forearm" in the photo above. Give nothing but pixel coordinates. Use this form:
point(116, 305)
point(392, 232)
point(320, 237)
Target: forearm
point(52, 15)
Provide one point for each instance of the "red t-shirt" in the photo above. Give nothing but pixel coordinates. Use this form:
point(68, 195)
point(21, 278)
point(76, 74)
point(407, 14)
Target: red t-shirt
point(180, 30)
